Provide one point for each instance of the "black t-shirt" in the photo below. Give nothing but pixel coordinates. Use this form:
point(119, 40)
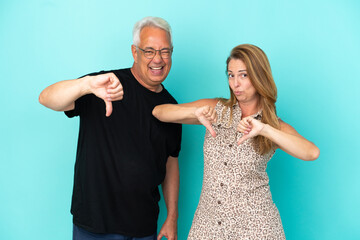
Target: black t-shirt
point(121, 160)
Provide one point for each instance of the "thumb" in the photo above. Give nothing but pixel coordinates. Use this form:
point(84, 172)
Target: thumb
point(243, 139)
point(109, 108)
point(209, 127)
point(160, 236)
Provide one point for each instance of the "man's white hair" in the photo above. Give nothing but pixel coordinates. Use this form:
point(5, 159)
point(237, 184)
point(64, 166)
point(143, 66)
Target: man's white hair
point(150, 22)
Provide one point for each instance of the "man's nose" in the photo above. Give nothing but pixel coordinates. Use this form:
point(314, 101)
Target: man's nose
point(157, 57)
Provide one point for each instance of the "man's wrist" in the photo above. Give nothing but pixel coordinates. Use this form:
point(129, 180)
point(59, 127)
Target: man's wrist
point(172, 217)
point(85, 85)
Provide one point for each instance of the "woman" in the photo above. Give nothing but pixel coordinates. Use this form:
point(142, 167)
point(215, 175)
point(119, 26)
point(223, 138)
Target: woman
point(235, 201)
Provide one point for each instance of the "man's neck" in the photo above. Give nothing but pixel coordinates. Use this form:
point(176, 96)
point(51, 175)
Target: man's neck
point(156, 88)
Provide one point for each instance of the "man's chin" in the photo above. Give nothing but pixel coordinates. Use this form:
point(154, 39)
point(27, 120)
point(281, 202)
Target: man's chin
point(158, 79)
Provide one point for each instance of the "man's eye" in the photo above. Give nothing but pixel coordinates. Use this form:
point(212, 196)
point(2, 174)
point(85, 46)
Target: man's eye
point(149, 52)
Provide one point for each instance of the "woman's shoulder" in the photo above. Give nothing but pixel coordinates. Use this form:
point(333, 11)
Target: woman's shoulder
point(212, 102)
point(285, 127)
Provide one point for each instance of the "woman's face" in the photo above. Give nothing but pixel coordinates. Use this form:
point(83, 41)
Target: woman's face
point(240, 83)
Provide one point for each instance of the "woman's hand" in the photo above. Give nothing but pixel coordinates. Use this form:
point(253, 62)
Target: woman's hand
point(206, 115)
point(286, 138)
point(250, 127)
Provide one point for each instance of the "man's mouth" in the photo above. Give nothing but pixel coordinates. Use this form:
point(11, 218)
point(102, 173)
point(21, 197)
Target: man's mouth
point(156, 68)
point(157, 71)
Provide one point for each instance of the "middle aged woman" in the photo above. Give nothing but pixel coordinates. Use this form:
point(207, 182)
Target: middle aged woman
point(236, 201)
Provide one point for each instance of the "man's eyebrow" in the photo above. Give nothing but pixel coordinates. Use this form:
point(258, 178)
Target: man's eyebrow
point(150, 48)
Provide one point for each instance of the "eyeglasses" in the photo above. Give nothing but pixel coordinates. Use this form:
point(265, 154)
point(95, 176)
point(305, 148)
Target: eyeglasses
point(150, 52)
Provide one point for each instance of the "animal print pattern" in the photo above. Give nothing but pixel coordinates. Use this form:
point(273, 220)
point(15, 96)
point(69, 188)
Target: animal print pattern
point(235, 201)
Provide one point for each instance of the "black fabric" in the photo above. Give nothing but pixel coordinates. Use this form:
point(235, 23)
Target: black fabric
point(121, 160)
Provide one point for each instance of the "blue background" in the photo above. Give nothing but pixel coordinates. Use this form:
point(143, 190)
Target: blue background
point(313, 48)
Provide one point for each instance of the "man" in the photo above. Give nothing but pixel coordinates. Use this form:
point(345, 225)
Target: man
point(124, 153)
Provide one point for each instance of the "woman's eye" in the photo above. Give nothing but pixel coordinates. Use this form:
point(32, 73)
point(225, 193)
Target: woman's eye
point(244, 75)
point(230, 75)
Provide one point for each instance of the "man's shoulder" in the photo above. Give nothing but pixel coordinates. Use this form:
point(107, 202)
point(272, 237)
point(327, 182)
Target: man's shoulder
point(167, 94)
point(123, 72)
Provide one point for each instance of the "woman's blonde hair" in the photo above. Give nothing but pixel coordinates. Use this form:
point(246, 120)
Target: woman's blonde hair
point(259, 71)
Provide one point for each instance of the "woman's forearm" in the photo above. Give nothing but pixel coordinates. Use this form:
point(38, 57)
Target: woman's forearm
point(175, 113)
point(293, 144)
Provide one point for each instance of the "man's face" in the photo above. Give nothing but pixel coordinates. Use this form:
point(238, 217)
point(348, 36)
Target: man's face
point(151, 72)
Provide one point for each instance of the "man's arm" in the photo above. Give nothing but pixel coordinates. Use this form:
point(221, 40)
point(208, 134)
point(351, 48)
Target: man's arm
point(170, 188)
point(62, 95)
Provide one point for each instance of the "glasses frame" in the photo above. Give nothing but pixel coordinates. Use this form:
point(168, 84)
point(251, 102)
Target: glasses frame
point(151, 49)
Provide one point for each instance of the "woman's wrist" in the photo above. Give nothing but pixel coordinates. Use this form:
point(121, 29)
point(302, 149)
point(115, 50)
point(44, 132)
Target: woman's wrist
point(265, 130)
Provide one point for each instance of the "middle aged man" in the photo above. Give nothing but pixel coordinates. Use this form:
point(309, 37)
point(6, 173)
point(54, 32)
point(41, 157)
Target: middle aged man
point(123, 157)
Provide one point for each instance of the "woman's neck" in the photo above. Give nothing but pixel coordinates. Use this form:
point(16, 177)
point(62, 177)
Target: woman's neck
point(249, 108)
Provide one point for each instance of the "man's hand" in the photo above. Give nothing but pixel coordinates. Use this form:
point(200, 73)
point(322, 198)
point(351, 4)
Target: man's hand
point(206, 116)
point(168, 230)
point(250, 127)
point(108, 88)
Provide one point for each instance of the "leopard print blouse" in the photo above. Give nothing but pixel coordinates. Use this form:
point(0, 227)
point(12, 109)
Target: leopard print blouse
point(235, 201)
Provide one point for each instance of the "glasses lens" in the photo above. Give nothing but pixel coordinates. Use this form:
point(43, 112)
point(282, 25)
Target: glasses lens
point(149, 53)
point(165, 53)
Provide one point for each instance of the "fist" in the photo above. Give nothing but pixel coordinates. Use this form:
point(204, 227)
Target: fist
point(107, 87)
point(250, 127)
point(207, 115)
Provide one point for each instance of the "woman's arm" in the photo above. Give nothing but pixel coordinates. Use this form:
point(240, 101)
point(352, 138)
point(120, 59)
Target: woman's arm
point(287, 138)
point(182, 113)
point(198, 112)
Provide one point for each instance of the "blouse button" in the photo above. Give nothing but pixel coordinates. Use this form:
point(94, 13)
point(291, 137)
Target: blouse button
point(221, 184)
point(219, 125)
point(219, 223)
point(225, 163)
point(230, 145)
point(219, 202)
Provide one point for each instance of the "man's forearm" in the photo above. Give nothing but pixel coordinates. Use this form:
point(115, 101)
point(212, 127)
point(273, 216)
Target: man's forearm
point(62, 95)
point(170, 188)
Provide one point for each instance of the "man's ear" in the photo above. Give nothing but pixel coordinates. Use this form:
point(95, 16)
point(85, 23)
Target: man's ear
point(134, 52)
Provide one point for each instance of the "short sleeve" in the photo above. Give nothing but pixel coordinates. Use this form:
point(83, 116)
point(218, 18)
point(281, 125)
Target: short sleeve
point(80, 105)
point(81, 102)
point(177, 140)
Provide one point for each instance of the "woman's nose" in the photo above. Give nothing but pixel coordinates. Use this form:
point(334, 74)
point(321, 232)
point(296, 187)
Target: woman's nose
point(236, 82)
